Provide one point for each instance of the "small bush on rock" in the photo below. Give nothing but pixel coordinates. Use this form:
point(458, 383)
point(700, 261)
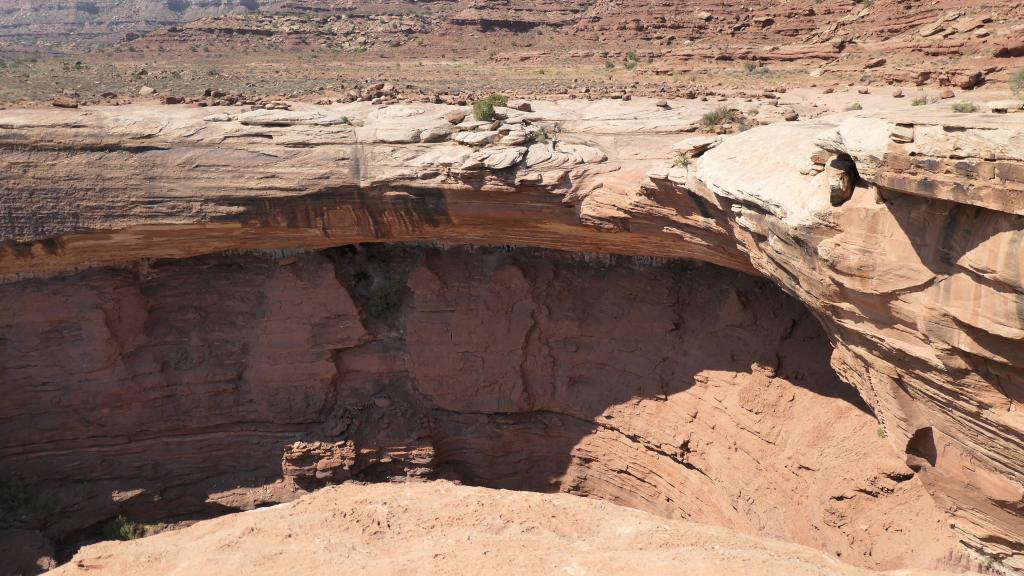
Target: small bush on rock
point(965, 107)
point(483, 109)
point(121, 528)
point(719, 116)
point(1017, 82)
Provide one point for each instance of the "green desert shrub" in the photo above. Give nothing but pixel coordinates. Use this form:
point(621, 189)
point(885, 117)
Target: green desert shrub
point(483, 109)
point(965, 107)
point(719, 116)
point(1017, 82)
point(121, 528)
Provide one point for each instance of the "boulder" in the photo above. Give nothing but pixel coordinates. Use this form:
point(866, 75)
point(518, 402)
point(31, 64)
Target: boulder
point(64, 102)
point(438, 133)
point(456, 116)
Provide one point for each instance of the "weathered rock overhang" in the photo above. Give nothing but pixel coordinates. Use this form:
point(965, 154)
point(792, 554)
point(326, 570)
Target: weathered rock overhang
point(910, 258)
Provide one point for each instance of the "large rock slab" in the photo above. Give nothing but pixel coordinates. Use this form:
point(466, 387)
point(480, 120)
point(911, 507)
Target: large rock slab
point(378, 528)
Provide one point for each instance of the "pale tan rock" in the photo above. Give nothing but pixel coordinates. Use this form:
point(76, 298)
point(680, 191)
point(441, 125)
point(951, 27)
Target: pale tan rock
point(397, 135)
point(497, 158)
point(476, 138)
point(291, 118)
point(438, 133)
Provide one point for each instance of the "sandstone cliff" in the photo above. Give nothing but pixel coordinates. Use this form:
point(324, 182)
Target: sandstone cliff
point(900, 234)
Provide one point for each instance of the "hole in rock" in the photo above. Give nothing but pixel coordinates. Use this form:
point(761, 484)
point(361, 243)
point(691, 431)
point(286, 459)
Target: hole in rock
point(194, 387)
point(921, 446)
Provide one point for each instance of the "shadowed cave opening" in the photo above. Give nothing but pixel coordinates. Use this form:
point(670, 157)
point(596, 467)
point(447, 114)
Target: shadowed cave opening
point(178, 389)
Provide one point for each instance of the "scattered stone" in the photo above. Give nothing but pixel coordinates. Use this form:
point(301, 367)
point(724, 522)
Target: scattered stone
point(438, 133)
point(876, 63)
point(791, 116)
point(967, 81)
point(931, 30)
point(946, 94)
point(902, 133)
point(64, 102)
point(146, 91)
point(663, 104)
point(897, 93)
point(173, 100)
point(456, 116)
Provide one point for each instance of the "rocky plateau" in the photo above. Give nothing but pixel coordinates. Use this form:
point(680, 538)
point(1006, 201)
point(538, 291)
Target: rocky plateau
point(729, 288)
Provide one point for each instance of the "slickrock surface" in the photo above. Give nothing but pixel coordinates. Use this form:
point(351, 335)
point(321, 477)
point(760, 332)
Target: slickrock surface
point(901, 234)
point(440, 528)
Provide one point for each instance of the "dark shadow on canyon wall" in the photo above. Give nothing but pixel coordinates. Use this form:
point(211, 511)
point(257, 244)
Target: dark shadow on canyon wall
point(172, 389)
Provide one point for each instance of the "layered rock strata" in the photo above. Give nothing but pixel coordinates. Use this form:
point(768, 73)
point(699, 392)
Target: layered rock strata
point(195, 386)
point(913, 270)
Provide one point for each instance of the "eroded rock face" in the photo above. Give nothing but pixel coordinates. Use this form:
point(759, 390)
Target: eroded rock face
point(687, 391)
point(915, 277)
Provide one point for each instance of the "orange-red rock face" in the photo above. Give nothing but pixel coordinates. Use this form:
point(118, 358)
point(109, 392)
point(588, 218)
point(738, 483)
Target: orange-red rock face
point(688, 391)
point(915, 276)
point(379, 528)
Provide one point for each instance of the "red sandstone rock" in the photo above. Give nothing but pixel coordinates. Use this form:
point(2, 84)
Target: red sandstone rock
point(379, 529)
point(931, 347)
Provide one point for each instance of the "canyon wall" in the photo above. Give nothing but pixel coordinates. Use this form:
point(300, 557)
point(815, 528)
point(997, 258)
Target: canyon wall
point(685, 390)
point(901, 235)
